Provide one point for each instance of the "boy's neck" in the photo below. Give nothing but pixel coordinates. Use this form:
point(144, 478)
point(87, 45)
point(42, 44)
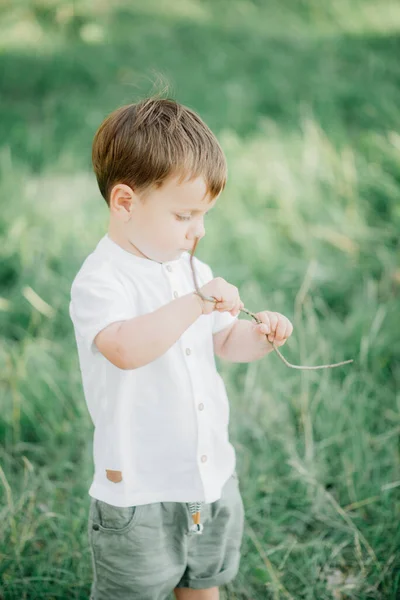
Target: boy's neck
point(126, 244)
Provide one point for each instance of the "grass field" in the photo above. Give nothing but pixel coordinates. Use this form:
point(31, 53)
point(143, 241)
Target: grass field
point(304, 96)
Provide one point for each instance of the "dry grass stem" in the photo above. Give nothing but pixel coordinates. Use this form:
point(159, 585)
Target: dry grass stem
point(248, 312)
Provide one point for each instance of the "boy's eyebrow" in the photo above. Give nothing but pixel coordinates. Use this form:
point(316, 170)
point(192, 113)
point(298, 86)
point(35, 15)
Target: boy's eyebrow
point(195, 210)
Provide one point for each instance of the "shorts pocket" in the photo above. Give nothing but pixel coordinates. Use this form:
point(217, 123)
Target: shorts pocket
point(115, 519)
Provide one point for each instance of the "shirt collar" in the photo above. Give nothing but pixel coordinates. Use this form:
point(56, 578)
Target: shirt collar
point(112, 248)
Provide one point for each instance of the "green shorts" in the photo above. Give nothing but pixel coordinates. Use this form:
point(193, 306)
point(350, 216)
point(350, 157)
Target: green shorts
point(146, 551)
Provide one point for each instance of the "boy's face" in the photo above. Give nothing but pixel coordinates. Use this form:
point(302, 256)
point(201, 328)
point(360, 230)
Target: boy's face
point(165, 222)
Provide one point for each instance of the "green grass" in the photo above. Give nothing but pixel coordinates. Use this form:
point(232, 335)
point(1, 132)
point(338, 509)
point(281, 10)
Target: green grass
point(304, 99)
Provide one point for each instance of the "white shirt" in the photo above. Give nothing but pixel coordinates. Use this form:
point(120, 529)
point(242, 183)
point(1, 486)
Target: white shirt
point(163, 426)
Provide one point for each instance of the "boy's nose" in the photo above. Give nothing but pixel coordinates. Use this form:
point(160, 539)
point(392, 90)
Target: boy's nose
point(199, 232)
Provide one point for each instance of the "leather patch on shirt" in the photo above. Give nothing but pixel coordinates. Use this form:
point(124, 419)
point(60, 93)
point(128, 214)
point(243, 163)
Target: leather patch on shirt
point(114, 476)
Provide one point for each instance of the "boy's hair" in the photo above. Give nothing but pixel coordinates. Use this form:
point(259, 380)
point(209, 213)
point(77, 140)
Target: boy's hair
point(143, 144)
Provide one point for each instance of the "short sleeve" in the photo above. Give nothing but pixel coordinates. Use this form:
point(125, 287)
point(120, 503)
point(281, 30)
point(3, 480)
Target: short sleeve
point(221, 320)
point(98, 299)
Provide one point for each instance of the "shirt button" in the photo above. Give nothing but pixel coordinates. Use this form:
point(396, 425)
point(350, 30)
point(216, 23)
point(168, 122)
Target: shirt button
point(96, 527)
point(203, 458)
point(201, 406)
point(169, 268)
point(188, 351)
point(176, 294)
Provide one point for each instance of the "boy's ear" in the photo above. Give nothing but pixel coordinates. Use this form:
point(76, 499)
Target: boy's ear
point(122, 200)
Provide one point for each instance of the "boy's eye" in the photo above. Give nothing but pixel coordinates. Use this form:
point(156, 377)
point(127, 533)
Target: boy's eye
point(185, 217)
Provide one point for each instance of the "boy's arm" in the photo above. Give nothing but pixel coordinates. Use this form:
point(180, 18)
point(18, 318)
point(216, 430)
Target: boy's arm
point(240, 343)
point(220, 338)
point(138, 341)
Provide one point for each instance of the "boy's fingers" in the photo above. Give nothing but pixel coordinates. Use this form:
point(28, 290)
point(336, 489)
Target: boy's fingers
point(226, 305)
point(263, 328)
point(277, 327)
point(273, 319)
point(280, 329)
point(237, 308)
point(265, 325)
point(287, 330)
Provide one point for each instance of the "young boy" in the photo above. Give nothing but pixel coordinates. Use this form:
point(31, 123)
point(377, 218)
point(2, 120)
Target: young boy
point(146, 343)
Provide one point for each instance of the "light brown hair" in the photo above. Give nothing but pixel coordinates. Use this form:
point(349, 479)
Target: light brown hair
point(143, 144)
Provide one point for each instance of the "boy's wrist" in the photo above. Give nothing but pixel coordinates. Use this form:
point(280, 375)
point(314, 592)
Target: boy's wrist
point(199, 301)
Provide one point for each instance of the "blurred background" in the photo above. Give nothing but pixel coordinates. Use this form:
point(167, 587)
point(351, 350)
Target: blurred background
point(304, 97)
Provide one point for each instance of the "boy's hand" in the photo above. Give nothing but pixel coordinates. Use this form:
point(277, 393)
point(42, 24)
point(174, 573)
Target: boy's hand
point(277, 326)
point(226, 294)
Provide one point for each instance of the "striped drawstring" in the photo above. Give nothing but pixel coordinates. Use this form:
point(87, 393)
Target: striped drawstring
point(194, 508)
